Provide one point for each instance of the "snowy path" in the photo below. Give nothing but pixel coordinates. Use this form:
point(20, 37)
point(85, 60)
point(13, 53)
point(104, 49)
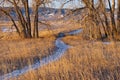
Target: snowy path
point(61, 48)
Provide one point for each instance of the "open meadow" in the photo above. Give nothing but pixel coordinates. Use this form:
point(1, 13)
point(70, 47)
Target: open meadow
point(59, 39)
point(84, 60)
point(17, 53)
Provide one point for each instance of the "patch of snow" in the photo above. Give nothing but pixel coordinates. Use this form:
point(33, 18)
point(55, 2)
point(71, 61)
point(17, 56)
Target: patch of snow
point(75, 32)
point(4, 29)
point(51, 14)
point(106, 43)
point(61, 16)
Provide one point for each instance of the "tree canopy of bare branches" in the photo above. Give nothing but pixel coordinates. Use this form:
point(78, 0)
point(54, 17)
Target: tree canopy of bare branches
point(24, 28)
point(101, 21)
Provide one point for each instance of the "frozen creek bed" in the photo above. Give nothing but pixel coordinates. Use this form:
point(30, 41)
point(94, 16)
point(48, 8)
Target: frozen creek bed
point(61, 48)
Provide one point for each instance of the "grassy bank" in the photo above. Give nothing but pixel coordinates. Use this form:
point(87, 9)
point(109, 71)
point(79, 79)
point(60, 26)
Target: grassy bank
point(85, 60)
point(15, 54)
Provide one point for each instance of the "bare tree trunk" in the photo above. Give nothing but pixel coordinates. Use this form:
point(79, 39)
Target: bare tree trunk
point(36, 32)
point(118, 16)
point(113, 27)
point(28, 18)
point(22, 22)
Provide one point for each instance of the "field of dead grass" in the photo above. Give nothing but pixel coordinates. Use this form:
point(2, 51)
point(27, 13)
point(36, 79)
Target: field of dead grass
point(15, 54)
point(85, 60)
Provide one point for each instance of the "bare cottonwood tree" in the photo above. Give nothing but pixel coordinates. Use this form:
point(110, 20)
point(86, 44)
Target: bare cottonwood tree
point(101, 22)
point(104, 17)
point(24, 28)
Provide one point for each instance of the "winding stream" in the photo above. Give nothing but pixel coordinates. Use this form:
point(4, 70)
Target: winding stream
point(61, 48)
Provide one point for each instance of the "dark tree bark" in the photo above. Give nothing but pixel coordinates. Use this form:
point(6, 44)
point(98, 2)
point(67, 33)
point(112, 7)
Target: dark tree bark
point(35, 33)
point(27, 13)
point(118, 16)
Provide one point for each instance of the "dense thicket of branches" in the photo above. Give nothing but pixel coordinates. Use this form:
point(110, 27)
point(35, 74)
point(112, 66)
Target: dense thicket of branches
point(23, 27)
point(101, 21)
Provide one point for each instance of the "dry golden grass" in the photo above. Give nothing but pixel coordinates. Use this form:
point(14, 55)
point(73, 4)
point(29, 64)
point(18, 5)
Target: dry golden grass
point(15, 54)
point(85, 60)
point(4, 23)
point(57, 27)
